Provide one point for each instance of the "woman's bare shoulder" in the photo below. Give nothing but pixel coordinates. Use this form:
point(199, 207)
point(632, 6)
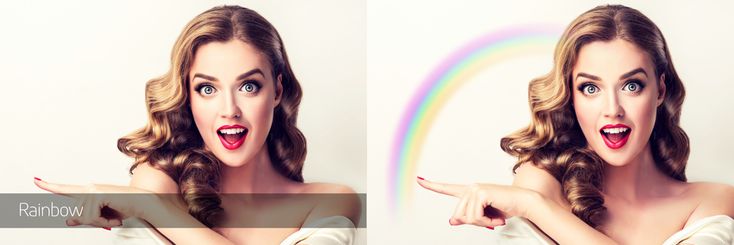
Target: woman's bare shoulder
point(149, 178)
point(713, 199)
point(320, 187)
point(334, 200)
point(534, 178)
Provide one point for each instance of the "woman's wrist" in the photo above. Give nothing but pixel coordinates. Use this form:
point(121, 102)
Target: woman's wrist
point(538, 206)
point(156, 207)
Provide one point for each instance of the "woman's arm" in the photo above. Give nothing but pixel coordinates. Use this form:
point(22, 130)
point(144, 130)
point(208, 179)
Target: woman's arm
point(560, 224)
point(529, 176)
point(148, 178)
point(194, 233)
point(549, 216)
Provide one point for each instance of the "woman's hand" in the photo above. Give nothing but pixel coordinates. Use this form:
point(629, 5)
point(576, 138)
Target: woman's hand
point(485, 205)
point(100, 209)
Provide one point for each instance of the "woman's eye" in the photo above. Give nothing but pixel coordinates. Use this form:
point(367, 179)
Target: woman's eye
point(633, 86)
point(589, 89)
point(207, 90)
point(250, 87)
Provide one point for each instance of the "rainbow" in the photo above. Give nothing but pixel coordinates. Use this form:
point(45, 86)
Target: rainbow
point(442, 83)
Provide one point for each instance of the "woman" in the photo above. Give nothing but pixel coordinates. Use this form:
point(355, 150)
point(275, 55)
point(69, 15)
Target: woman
point(603, 159)
point(222, 120)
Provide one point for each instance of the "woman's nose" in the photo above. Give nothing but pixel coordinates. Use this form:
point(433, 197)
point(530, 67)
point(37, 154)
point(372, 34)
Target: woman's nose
point(230, 109)
point(613, 107)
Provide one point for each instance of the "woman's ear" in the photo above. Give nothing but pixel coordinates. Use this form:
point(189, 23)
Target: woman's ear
point(661, 89)
point(278, 90)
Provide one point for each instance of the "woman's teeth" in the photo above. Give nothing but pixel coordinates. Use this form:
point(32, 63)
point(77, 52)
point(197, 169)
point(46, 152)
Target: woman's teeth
point(231, 131)
point(614, 130)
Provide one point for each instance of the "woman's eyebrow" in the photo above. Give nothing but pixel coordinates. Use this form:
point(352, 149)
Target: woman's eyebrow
point(623, 76)
point(633, 72)
point(250, 73)
point(204, 76)
point(589, 76)
point(240, 77)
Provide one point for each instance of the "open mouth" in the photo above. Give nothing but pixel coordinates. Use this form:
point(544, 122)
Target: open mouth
point(232, 136)
point(615, 136)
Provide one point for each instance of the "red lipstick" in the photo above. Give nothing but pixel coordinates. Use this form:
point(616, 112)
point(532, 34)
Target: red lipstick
point(232, 136)
point(615, 135)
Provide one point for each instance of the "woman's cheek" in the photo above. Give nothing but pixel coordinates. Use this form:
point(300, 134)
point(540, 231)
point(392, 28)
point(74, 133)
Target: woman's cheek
point(585, 114)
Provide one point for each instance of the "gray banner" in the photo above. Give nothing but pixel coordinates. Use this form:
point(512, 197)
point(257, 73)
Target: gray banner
point(240, 210)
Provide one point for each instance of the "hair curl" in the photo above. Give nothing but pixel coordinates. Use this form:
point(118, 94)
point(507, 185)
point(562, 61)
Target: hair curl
point(170, 140)
point(554, 142)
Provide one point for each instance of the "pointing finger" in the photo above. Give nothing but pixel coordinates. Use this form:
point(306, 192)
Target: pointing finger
point(62, 189)
point(446, 189)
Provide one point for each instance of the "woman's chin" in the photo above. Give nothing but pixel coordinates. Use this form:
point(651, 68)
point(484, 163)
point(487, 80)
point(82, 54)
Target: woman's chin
point(615, 157)
point(233, 163)
point(228, 159)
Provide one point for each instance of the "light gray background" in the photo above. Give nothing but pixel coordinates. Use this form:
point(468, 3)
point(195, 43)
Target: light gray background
point(408, 39)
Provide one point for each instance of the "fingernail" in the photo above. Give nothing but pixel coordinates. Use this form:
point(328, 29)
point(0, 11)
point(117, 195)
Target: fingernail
point(420, 178)
point(107, 228)
point(36, 178)
point(489, 227)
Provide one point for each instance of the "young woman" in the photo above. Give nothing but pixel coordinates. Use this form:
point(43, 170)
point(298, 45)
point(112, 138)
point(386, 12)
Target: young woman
point(222, 121)
point(603, 159)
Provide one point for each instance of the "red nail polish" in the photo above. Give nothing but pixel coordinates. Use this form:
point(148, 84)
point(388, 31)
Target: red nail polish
point(107, 228)
point(420, 178)
point(36, 178)
point(489, 227)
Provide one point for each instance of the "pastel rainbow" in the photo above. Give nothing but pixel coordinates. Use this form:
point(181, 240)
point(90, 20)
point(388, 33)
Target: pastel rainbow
point(439, 87)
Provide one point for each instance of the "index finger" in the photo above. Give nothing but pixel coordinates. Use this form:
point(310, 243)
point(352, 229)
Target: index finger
point(61, 189)
point(443, 188)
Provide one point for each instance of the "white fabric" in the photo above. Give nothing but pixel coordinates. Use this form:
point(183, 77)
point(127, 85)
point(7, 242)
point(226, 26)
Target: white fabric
point(713, 230)
point(518, 230)
point(322, 232)
point(318, 232)
point(132, 232)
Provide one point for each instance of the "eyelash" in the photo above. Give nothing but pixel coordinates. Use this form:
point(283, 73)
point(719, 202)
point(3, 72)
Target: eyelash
point(257, 85)
point(635, 81)
point(582, 87)
point(206, 84)
point(201, 86)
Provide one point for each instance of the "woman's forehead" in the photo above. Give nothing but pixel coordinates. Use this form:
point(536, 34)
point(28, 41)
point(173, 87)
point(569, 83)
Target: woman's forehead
point(610, 59)
point(227, 60)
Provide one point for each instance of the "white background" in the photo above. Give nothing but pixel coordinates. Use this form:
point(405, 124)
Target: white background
point(73, 75)
point(408, 39)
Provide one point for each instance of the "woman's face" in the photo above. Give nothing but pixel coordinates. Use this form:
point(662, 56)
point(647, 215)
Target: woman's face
point(615, 96)
point(233, 96)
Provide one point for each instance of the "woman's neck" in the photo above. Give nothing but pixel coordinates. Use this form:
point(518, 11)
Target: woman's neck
point(255, 176)
point(637, 180)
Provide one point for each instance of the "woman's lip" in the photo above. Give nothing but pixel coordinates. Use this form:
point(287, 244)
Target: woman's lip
point(619, 125)
point(232, 146)
point(621, 142)
point(615, 145)
point(236, 144)
point(230, 126)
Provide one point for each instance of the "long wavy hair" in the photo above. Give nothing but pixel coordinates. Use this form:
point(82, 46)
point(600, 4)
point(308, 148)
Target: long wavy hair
point(554, 142)
point(170, 141)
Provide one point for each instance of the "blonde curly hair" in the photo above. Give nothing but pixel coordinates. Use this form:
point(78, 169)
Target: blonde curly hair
point(170, 141)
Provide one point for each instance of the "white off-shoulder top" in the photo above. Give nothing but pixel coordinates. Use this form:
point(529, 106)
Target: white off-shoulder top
point(713, 230)
point(321, 231)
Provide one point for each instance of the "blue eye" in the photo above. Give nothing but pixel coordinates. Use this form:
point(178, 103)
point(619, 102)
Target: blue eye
point(206, 89)
point(633, 86)
point(589, 89)
point(250, 87)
